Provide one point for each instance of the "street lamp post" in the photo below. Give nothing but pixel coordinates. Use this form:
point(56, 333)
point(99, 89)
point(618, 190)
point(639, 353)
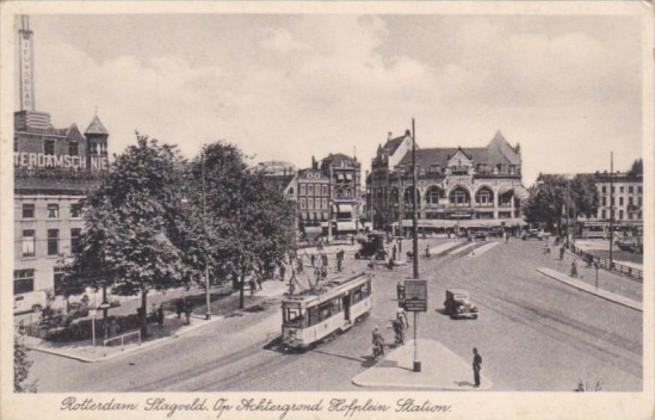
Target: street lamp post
point(417, 363)
point(204, 229)
point(611, 210)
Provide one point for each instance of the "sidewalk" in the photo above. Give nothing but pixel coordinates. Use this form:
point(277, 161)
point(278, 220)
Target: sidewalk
point(173, 328)
point(442, 248)
point(441, 370)
point(621, 300)
point(608, 281)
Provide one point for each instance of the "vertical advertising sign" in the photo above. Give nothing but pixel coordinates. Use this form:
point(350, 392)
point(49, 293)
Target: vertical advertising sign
point(416, 295)
point(26, 66)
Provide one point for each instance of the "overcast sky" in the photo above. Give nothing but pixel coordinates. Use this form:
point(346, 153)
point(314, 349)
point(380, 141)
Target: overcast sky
point(287, 87)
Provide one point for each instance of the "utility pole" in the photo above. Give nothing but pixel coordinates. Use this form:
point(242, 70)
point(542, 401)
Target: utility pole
point(611, 210)
point(414, 204)
point(331, 203)
point(208, 313)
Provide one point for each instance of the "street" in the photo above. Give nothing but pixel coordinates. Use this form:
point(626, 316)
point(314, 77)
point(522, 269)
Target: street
point(534, 334)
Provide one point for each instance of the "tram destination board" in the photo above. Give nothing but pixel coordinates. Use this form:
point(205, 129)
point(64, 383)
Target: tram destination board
point(416, 295)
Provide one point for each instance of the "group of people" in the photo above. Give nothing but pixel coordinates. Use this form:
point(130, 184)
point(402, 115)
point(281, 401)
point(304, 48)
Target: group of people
point(400, 325)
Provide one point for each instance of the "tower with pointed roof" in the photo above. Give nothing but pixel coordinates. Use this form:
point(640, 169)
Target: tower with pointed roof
point(96, 136)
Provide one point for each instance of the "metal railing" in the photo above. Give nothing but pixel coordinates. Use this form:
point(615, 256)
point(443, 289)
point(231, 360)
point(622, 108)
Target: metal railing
point(615, 267)
point(122, 338)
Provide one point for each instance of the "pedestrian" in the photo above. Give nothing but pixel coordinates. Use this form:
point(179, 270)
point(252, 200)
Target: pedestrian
point(283, 271)
point(477, 366)
point(299, 263)
point(153, 313)
point(378, 342)
point(187, 311)
point(312, 259)
point(325, 261)
point(427, 251)
point(393, 252)
point(561, 252)
point(259, 283)
point(179, 307)
point(160, 315)
point(400, 244)
point(506, 237)
point(352, 240)
point(574, 268)
point(402, 315)
point(114, 328)
point(546, 248)
point(253, 286)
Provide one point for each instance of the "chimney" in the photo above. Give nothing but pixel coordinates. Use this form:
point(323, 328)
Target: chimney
point(313, 162)
point(390, 135)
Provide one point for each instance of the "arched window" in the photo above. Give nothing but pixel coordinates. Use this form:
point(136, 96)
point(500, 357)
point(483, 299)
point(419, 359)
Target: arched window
point(409, 199)
point(459, 197)
point(393, 195)
point(484, 197)
point(433, 194)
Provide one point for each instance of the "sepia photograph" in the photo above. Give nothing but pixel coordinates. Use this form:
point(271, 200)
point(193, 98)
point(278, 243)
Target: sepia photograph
point(400, 209)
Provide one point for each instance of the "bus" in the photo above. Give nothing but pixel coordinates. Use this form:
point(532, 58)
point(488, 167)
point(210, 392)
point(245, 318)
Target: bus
point(312, 316)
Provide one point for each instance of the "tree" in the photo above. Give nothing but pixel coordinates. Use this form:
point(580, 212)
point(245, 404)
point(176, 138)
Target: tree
point(637, 168)
point(249, 223)
point(554, 195)
point(134, 229)
point(22, 366)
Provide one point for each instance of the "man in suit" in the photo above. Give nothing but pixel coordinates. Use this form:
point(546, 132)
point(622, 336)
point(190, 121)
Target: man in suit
point(477, 365)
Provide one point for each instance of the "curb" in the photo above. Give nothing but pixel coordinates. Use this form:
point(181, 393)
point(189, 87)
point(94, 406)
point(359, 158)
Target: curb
point(603, 294)
point(143, 346)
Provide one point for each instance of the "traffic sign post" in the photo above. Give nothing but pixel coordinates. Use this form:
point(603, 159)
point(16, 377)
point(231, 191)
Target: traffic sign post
point(416, 300)
point(92, 314)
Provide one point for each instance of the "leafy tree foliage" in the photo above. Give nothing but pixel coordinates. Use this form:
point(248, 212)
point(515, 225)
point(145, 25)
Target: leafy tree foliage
point(134, 232)
point(248, 223)
point(637, 168)
point(553, 195)
point(22, 366)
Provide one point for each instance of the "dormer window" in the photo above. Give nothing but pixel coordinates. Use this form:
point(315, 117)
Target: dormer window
point(48, 147)
point(73, 148)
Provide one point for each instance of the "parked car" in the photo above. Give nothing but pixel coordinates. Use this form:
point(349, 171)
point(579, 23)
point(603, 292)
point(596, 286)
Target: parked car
point(30, 302)
point(627, 244)
point(481, 235)
point(535, 234)
point(373, 245)
point(458, 304)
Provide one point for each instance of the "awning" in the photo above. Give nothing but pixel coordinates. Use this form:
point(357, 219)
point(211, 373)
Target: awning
point(519, 192)
point(345, 208)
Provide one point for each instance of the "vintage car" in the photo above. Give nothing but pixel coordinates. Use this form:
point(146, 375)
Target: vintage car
point(481, 235)
point(535, 234)
point(373, 245)
point(458, 304)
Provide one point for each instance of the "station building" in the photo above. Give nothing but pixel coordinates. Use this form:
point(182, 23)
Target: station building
point(458, 188)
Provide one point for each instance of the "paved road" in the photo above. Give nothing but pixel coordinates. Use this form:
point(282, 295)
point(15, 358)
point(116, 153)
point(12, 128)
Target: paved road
point(533, 333)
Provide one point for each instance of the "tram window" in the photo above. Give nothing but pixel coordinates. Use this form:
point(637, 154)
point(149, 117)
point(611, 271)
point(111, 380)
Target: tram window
point(293, 317)
point(313, 316)
point(325, 310)
point(358, 295)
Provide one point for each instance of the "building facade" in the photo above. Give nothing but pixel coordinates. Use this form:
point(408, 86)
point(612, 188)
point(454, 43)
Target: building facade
point(54, 169)
point(457, 188)
point(344, 174)
point(624, 193)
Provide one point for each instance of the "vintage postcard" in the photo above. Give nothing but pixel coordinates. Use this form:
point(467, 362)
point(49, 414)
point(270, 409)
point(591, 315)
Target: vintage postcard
point(327, 210)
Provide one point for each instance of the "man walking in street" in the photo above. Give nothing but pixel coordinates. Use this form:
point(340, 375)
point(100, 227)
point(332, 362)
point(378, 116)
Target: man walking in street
point(561, 252)
point(187, 311)
point(477, 365)
point(339, 259)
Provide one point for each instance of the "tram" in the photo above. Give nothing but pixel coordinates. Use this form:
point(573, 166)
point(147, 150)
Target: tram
point(314, 315)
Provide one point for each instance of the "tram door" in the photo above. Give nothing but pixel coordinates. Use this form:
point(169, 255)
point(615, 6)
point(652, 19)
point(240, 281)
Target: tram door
point(345, 300)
